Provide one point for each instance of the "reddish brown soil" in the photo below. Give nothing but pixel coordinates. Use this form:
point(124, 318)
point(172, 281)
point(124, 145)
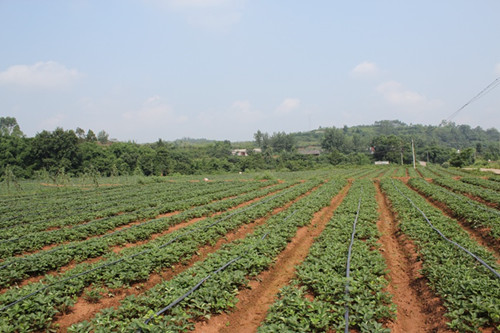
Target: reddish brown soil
point(418, 309)
point(84, 310)
point(254, 302)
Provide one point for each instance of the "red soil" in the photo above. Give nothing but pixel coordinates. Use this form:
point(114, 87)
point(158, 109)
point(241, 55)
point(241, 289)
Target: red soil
point(418, 309)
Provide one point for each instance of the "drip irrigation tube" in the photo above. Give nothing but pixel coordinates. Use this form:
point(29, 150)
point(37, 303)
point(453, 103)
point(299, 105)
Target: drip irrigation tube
point(348, 268)
point(481, 261)
point(139, 253)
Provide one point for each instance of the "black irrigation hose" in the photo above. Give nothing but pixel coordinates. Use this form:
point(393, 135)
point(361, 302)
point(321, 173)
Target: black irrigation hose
point(137, 254)
point(348, 269)
point(481, 261)
point(181, 298)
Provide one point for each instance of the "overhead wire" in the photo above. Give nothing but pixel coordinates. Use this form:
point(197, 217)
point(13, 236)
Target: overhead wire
point(483, 92)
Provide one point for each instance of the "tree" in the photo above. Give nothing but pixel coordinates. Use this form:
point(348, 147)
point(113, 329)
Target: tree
point(80, 133)
point(9, 127)
point(102, 137)
point(462, 158)
point(282, 142)
point(57, 149)
point(389, 148)
point(258, 138)
point(334, 139)
point(90, 136)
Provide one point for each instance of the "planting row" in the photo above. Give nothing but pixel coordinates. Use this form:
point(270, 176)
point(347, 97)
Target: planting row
point(493, 185)
point(34, 241)
point(470, 291)
point(318, 300)
point(146, 198)
point(34, 306)
point(214, 283)
point(18, 269)
point(476, 191)
point(473, 212)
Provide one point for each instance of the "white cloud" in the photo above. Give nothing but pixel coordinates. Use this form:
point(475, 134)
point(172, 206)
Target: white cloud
point(288, 105)
point(154, 113)
point(394, 93)
point(211, 14)
point(365, 69)
point(47, 75)
point(53, 122)
point(197, 3)
point(497, 69)
point(411, 106)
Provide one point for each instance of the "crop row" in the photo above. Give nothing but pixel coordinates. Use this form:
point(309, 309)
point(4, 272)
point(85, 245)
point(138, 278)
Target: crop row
point(475, 213)
point(67, 217)
point(55, 294)
point(74, 202)
point(17, 269)
point(37, 240)
point(399, 171)
point(469, 290)
point(412, 172)
point(482, 182)
point(451, 172)
point(240, 260)
point(477, 191)
point(316, 301)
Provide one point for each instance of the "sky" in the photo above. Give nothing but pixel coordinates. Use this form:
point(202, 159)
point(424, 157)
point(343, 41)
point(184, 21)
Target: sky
point(144, 70)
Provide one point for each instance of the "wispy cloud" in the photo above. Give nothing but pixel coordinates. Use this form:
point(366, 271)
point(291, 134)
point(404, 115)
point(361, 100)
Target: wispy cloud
point(46, 75)
point(53, 122)
point(288, 105)
point(207, 14)
point(197, 3)
point(365, 69)
point(154, 113)
point(397, 95)
point(497, 69)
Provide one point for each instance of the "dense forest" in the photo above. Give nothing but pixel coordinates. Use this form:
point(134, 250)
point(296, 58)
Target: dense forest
point(79, 152)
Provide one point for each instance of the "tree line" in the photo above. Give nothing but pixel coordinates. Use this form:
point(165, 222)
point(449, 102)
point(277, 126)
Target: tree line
point(79, 152)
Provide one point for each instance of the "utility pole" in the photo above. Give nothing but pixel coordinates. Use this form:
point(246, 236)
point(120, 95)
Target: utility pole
point(413, 153)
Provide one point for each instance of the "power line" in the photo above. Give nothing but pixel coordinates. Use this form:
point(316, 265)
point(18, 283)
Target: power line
point(483, 92)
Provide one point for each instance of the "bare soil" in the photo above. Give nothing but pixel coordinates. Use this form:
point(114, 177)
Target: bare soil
point(418, 308)
point(254, 302)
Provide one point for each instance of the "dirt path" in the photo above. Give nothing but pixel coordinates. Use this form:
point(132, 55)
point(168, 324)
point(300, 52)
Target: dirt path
point(254, 302)
point(418, 309)
point(84, 310)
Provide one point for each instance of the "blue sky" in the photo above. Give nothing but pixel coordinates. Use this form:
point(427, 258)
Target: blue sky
point(222, 69)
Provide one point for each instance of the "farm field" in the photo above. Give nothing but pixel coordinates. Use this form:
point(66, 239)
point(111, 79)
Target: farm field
point(372, 249)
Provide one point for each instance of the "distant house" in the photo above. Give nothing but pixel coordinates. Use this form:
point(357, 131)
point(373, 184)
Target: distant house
point(243, 152)
point(309, 151)
point(381, 162)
